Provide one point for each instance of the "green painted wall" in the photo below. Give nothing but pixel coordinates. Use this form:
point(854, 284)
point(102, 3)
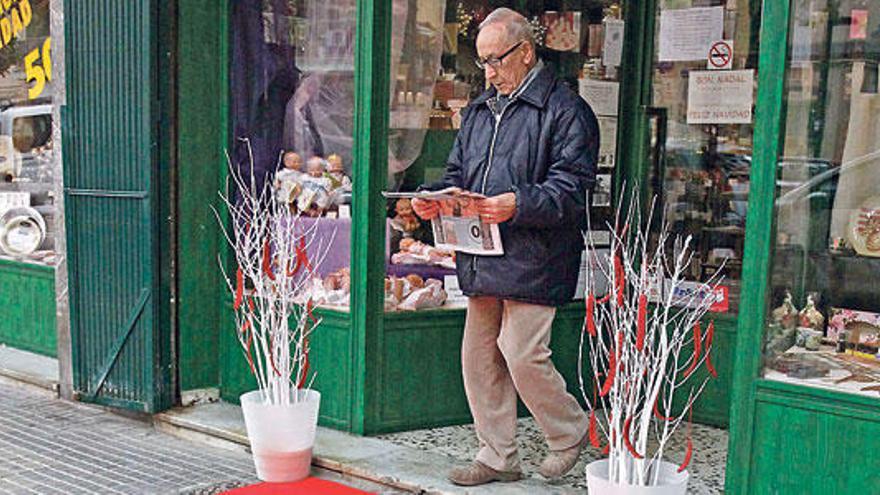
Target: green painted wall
point(27, 299)
point(202, 123)
point(812, 442)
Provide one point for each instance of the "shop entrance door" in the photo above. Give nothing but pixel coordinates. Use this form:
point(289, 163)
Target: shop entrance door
point(698, 98)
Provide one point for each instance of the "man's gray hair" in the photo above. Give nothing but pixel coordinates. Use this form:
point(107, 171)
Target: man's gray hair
point(515, 25)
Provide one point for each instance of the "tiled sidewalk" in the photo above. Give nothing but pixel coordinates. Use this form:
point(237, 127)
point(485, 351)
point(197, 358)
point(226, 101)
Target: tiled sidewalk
point(459, 442)
point(50, 446)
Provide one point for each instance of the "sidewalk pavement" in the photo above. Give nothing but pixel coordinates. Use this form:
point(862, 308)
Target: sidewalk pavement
point(52, 446)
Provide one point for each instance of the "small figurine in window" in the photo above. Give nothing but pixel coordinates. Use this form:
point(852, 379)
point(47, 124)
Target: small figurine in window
point(287, 180)
point(786, 314)
point(315, 197)
point(810, 317)
point(336, 173)
point(405, 221)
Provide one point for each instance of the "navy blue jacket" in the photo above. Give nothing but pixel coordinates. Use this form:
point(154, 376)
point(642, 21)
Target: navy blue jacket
point(545, 150)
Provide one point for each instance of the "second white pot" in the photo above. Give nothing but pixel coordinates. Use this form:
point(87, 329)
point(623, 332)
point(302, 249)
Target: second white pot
point(671, 482)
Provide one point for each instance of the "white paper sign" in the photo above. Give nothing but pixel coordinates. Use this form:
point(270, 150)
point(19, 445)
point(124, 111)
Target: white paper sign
point(720, 97)
point(612, 48)
point(686, 34)
point(601, 95)
point(607, 141)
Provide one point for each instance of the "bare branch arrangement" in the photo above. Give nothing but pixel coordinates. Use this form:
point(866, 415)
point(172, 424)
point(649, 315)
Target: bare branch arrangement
point(636, 333)
point(273, 313)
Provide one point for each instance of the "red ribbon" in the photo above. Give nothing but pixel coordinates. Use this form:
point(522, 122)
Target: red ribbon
point(642, 322)
point(690, 369)
point(626, 441)
point(239, 289)
point(710, 333)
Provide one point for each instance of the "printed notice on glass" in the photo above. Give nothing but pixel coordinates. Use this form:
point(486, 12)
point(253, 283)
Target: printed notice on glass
point(612, 47)
point(607, 141)
point(687, 34)
point(716, 97)
point(601, 95)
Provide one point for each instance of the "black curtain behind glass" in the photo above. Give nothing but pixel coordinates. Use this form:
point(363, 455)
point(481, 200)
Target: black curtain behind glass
point(264, 77)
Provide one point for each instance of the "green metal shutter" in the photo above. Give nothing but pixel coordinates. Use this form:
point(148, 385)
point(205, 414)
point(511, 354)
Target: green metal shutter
point(119, 353)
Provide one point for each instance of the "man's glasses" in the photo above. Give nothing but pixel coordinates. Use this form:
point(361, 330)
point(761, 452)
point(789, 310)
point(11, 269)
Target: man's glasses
point(495, 62)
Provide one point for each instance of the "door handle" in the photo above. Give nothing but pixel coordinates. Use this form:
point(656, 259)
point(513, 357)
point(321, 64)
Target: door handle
point(657, 143)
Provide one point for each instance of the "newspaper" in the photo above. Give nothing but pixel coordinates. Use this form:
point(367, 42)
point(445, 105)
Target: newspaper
point(458, 227)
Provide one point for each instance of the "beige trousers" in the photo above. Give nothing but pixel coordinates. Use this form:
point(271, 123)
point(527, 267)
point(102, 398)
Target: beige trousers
point(505, 350)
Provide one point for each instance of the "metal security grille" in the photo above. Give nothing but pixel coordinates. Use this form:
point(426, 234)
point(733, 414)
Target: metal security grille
point(110, 166)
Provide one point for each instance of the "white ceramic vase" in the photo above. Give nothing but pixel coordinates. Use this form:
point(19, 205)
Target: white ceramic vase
point(671, 482)
point(281, 436)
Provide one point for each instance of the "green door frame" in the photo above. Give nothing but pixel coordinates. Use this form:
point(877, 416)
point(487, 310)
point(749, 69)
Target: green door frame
point(203, 136)
point(370, 169)
point(759, 238)
point(638, 58)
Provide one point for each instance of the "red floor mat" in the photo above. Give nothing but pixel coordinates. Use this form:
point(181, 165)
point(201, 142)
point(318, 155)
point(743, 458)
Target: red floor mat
point(308, 486)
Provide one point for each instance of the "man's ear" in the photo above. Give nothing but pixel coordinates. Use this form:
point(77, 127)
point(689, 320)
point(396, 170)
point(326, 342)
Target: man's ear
point(529, 56)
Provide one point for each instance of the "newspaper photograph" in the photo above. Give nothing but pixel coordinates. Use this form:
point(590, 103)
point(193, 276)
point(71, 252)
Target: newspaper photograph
point(458, 227)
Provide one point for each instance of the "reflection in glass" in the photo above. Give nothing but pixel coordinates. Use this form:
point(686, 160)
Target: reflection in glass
point(27, 160)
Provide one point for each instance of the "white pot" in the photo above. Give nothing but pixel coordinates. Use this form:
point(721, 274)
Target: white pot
point(671, 482)
point(281, 436)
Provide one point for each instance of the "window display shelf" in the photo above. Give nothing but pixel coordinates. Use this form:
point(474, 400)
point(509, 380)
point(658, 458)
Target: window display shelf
point(325, 68)
point(841, 372)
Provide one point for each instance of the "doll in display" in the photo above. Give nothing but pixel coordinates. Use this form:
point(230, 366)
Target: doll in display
point(315, 197)
point(288, 180)
point(336, 174)
point(405, 221)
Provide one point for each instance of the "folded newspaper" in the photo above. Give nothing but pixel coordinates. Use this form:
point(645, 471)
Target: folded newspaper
point(458, 227)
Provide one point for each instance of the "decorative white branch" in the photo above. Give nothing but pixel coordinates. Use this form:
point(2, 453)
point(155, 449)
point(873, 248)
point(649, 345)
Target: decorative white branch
point(269, 288)
point(635, 335)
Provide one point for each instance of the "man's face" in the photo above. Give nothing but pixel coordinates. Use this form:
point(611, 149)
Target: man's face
point(506, 76)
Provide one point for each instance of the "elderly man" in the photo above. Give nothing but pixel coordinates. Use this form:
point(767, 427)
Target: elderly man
point(530, 145)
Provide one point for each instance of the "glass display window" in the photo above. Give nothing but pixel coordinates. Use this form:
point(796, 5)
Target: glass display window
point(434, 77)
point(292, 91)
point(27, 159)
point(823, 323)
point(704, 81)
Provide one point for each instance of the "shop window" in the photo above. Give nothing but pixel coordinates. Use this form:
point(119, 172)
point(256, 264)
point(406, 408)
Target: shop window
point(27, 160)
point(823, 321)
point(703, 90)
point(434, 77)
point(292, 115)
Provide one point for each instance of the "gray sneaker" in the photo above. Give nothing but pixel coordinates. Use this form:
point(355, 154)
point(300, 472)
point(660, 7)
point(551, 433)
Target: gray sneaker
point(477, 473)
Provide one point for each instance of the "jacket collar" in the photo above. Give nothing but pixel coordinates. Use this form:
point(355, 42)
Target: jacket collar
point(536, 92)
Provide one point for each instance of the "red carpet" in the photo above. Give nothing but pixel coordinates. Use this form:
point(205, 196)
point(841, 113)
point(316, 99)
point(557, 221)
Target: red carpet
point(308, 486)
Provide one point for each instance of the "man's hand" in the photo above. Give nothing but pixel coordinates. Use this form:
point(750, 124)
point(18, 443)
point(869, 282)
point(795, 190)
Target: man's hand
point(497, 209)
point(425, 209)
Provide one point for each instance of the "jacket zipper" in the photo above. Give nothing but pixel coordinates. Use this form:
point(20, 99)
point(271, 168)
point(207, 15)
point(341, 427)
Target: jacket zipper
point(489, 163)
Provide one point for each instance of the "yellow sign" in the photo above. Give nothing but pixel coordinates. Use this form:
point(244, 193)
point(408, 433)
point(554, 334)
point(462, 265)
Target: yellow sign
point(14, 18)
point(38, 71)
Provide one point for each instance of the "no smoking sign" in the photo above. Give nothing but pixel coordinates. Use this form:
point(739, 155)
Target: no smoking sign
point(720, 55)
